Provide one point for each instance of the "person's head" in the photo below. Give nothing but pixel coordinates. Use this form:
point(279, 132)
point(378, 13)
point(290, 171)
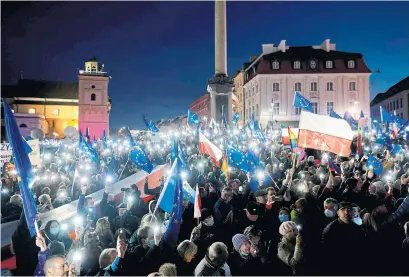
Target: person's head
point(52, 229)
point(56, 248)
point(46, 190)
point(207, 217)
point(218, 254)
point(111, 199)
point(227, 194)
point(300, 205)
point(251, 211)
point(187, 250)
point(261, 196)
point(89, 202)
point(103, 227)
point(284, 214)
point(270, 192)
point(345, 212)
point(288, 230)
point(107, 257)
point(90, 238)
point(44, 199)
point(242, 245)
point(370, 174)
point(330, 207)
point(234, 185)
point(168, 269)
point(62, 194)
point(145, 237)
point(155, 274)
point(16, 200)
point(55, 266)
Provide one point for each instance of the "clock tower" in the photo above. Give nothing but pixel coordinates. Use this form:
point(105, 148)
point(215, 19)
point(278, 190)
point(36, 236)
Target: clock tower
point(93, 100)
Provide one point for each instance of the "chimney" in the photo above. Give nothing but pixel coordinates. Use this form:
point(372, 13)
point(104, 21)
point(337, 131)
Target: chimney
point(325, 45)
point(281, 47)
point(268, 48)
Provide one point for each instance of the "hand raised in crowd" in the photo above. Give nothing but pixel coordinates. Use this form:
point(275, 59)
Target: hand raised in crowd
point(121, 247)
point(40, 242)
point(107, 187)
point(299, 239)
point(84, 189)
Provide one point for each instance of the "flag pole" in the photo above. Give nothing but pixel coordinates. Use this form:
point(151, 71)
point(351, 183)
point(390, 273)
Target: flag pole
point(120, 175)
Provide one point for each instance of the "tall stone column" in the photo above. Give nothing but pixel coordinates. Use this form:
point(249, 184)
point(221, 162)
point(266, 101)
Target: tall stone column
point(220, 86)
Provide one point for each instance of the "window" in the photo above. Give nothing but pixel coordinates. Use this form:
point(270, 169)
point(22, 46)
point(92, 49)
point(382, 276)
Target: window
point(394, 107)
point(276, 108)
point(276, 65)
point(314, 107)
point(92, 86)
point(94, 69)
point(330, 86)
point(297, 65)
point(276, 87)
point(297, 86)
point(401, 103)
point(256, 88)
point(56, 112)
point(252, 91)
point(257, 109)
point(314, 86)
point(23, 125)
point(352, 86)
point(397, 103)
point(351, 64)
point(328, 64)
point(93, 97)
point(313, 64)
point(32, 111)
point(297, 111)
point(247, 113)
point(330, 107)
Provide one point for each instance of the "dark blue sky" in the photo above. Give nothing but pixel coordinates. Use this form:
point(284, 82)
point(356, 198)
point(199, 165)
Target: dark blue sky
point(160, 54)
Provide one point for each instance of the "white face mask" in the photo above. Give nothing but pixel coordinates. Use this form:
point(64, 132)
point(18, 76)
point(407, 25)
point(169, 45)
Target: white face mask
point(357, 220)
point(54, 230)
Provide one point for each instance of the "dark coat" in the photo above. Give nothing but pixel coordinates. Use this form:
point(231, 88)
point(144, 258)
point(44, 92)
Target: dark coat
point(127, 221)
point(221, 209)
point(10, 212)
point(347, 241)
point(204, 236)
point(243, 267)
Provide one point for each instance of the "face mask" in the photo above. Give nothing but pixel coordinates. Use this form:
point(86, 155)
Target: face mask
point(329, 213)
point(151, 243)
point(209, 222)
point(357, 220)
point(244, 254)
point(54, 230)
point(284, 217)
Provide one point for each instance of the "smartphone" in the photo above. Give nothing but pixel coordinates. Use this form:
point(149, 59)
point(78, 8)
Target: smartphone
point(122, 236)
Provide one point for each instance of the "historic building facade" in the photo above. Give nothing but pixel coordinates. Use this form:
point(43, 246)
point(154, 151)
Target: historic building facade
point(330, 79)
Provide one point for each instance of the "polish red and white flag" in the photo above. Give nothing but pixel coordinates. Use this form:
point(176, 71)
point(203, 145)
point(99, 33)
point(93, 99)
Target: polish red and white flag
point(207, 147)
point(198, 204)
point(234, 99)
point(325, 133)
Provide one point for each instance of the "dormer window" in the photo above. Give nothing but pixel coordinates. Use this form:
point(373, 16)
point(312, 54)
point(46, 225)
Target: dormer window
point(313, 64)
point(351, 64)
point(297, 65)
point(328, 64)
point(276, 65)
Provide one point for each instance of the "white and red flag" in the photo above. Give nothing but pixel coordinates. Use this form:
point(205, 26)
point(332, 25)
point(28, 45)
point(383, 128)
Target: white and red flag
point(198, 204)
point(325, 133)
point(207, 147)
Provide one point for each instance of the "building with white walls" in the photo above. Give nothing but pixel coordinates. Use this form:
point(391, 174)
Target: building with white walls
point(394, 100)
point(330, 79)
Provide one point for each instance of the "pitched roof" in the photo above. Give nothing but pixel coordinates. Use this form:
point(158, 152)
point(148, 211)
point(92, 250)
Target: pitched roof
point(395, 89)
point(41, 89)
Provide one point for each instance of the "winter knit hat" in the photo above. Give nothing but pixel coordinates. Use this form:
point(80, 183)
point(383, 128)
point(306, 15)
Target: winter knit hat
point(287, 227)
point(238, 241)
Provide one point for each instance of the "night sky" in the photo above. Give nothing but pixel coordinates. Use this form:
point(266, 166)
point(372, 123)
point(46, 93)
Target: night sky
point(160, 54)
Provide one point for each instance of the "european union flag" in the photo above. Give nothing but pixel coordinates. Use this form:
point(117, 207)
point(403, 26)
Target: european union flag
point(253, 162)
point(334, 114)
point(182, 157)
point(166, 197)
point(175, 220)
point(150, 125)
point(192, 117)
point(236, 158)
point(23, 167)
point(27, 146)
point(375, 165)
point(174, 149)
point(88, 149)
point(398, 149)
point(129, 136)
point(390, 117)
point(301, 102)
point(140, 159)
point(403, 130)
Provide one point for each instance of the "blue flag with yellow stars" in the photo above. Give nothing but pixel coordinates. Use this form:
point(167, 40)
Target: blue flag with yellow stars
point(236, 158)
point(301, 102)
point(140, 159)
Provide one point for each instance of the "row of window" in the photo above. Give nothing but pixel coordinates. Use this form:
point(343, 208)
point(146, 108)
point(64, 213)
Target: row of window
point(298, 87)
point(54, 112)
point(275, 110)
point(312, 64)
point(390, 107)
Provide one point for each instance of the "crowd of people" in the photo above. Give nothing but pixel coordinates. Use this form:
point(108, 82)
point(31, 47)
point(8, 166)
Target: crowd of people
point(307, 219)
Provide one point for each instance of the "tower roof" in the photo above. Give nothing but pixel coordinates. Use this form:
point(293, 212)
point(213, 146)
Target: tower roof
point(93, 59)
